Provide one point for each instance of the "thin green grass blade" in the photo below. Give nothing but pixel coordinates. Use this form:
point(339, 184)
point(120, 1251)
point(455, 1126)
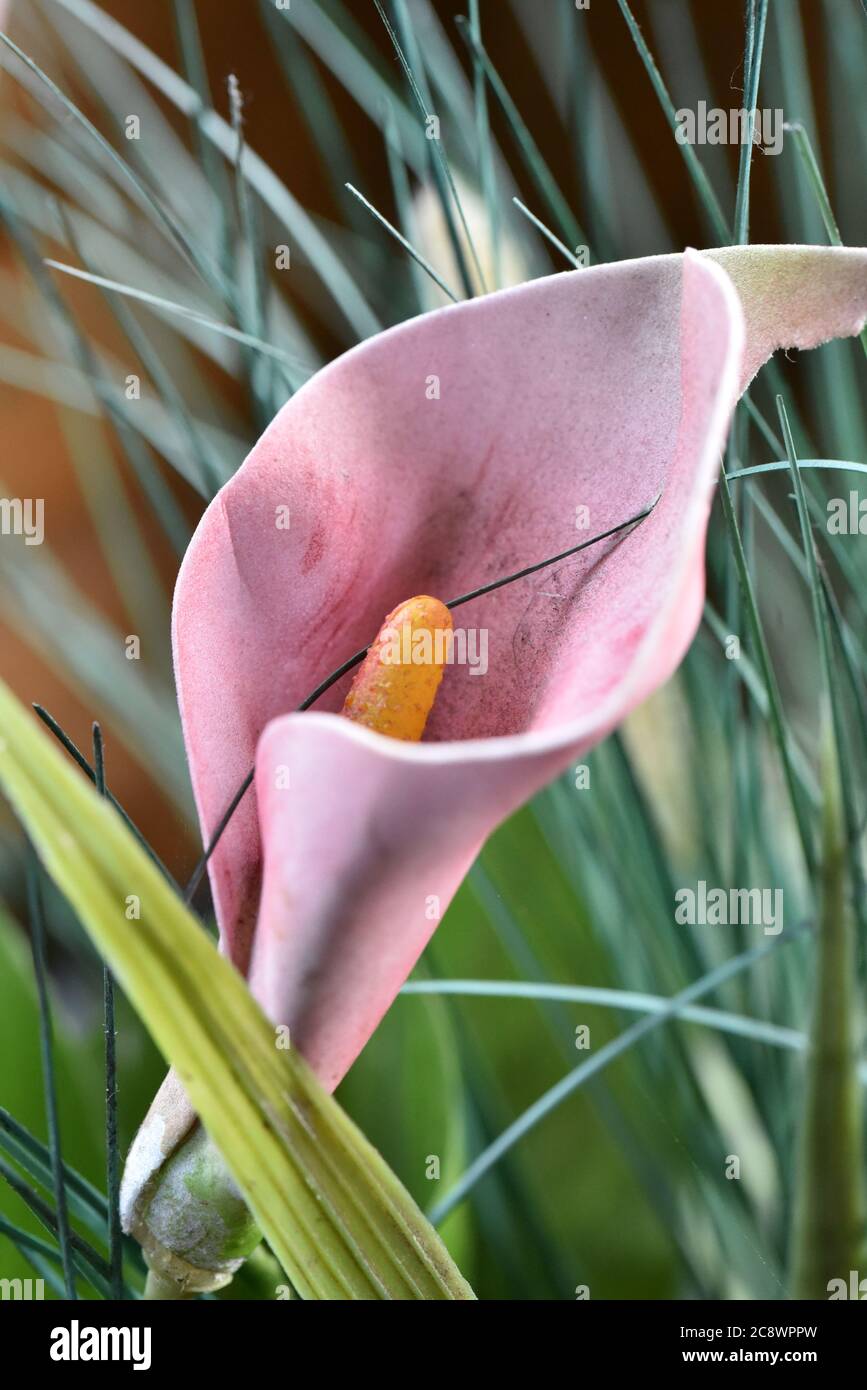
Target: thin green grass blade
point(81, 1255)
point(121, 540)
point(630, 1001)
point(403, 200)
point(78, 757)
point(752, 678)
point(703, 186)
point(591, 1067)
point(411, 63)
point(402, 241)
point(155, 302)
point(37, 934)
point(49, 613)
point(538, 169)
point(112, 1160)
point(190, 250)
point(487, 167)
point(190, 42)
point(346, 52)
point(829, 1206)
point(831, 691)
point(274, 193)
point(253, 308)
point(165, 506)
point(853, 649)
point(56, 381)
point(311, 96)
point(548, 234)
point(783, 466)
point(86, 1205)
point(746, 824)
point(42, 1256)
point(762, 652)
point(793, 80)
point(757, 15)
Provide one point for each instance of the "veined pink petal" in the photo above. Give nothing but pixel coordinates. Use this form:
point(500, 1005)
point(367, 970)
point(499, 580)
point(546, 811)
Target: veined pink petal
point(434, 458)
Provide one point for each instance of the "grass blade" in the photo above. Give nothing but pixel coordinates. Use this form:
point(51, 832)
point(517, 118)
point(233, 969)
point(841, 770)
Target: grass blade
point(288, 211)
point(831, 692)
point(40, 1254)
point(582, 1073)
point(548, 234)
point(632, 1002)
point(416, 256)
point(190, 42)
point(81, 1255)
point(188, 248)
point(439, 161)
point(541, 174)
point(762, 652)
point(487, 171)
point(757, 14)
point(37, 933)
point(112, 1165)
point(705, 191)
point(155, 302)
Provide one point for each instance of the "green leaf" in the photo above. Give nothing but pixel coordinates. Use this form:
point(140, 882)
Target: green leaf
point(338, 1220)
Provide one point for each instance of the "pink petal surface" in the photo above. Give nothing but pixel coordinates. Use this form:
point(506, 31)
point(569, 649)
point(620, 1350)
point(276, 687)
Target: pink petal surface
point(370, 833)
point(560, 393)
point(595, 389)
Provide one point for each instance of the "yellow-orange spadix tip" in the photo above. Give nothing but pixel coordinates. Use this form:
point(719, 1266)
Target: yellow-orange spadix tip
point(396, 684)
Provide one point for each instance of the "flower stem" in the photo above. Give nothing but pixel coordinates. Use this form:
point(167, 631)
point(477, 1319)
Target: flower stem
point(828, 1216)
point(159, 1288)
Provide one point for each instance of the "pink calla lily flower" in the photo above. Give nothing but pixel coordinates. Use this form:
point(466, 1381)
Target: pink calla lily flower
point(433, 458)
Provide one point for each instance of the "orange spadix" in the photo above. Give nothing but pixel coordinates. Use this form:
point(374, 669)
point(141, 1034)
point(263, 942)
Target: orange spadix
point(395, 686)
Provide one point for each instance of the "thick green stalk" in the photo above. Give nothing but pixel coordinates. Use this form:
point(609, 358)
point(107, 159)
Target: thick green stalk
point(829, 1200)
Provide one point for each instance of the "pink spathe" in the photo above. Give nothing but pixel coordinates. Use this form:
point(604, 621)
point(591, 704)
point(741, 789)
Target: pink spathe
point(434, 458)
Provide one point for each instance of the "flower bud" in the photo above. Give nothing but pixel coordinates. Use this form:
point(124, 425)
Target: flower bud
point(192, 1222)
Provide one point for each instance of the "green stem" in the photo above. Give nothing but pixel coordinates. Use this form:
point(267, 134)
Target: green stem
point(829, 1200)
point(158, 1288)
